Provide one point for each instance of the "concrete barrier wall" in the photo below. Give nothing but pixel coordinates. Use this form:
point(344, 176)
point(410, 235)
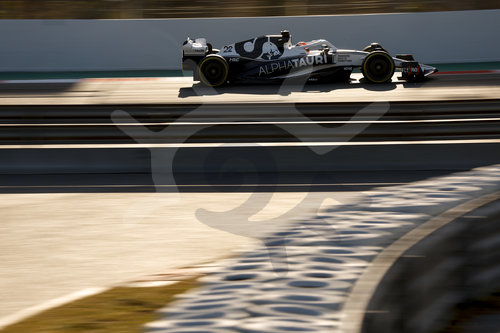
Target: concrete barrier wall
point(81, 45)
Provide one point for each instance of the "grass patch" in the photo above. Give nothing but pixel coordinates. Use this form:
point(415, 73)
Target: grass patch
point(118, 310)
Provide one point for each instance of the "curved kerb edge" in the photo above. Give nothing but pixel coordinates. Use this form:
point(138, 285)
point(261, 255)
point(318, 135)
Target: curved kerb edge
point(355, 308)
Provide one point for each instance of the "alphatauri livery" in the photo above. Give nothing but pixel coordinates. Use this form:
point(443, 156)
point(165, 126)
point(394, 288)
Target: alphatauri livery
point(275, 58)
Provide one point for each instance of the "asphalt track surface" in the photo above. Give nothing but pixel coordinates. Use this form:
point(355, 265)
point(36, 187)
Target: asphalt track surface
point(55, 199)
point(460, 109)
point(182, 91)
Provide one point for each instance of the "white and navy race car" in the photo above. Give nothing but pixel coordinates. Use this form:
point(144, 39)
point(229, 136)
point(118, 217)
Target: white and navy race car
point(275, 58)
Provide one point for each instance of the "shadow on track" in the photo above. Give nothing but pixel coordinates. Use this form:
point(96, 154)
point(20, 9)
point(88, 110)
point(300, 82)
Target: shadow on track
point(268, 88)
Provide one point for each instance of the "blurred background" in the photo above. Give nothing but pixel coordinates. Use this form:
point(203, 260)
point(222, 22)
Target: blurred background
point(137, 9)
point(83, 206)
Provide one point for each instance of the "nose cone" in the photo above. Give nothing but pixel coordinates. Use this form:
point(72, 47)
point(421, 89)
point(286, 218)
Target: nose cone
point(428, 70)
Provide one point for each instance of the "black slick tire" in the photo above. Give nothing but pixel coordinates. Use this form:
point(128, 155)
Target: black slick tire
point(378, 67)
point(213, 70)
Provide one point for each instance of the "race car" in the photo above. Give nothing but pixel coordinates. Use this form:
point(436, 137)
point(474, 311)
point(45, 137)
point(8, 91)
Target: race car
point(271, 58)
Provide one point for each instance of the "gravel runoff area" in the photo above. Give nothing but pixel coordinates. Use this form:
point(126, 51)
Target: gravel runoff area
point(302, 278)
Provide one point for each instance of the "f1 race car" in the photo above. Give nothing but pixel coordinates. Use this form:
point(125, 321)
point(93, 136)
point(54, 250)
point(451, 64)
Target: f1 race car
point(275, 58)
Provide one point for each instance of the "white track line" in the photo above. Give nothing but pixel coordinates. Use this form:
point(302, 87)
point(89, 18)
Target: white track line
point(34, 310)
point(243, 144)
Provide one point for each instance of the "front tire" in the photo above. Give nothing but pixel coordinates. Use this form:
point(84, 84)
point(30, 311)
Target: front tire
point(213, 70)
point(378, 67)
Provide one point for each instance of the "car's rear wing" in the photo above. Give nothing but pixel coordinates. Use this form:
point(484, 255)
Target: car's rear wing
point(193, 51)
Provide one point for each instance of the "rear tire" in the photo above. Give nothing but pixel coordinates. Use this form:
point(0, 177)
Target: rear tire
point(378, 67)
point(213, 70)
